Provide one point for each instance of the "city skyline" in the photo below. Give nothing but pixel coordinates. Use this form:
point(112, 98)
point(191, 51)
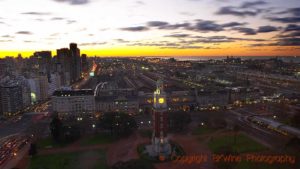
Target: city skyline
point(152, 28)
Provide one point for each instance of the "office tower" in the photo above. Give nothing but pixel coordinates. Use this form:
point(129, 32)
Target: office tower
point(11, 98)
point(64, 65)
point(44, 62)
point(44, 87)
point(84, 63)
point(75, 62)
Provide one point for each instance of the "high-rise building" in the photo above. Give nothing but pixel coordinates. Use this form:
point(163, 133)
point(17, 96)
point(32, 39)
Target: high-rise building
point(44, 62)
point(84, 63)
point(161, 146)
point(55, 83)
point(44, 87)
point(76, 62)
point(64, 65)
point(11, 98)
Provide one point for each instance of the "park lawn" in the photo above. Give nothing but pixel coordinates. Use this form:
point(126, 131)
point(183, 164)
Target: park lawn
point(55, 161)
point(202, 130)
point(146, 133)
point(101, 138)
point(76, 160)
point(49, 143)
point(243, 144)
point(101, 162)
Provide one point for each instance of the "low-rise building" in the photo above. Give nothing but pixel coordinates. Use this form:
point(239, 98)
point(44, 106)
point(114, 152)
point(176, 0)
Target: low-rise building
point(73, 102)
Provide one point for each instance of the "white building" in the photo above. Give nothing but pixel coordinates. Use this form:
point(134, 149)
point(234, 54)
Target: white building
point(73, 102)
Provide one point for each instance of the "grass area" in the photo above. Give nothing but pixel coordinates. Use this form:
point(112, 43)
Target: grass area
point(243, 144)
point(69, 160)
point(201, 130)
point(101, 138)
point(49, 143)
point(146, 133)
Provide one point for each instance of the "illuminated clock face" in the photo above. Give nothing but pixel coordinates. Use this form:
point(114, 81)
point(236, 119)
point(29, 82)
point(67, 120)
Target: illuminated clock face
point(161, 100)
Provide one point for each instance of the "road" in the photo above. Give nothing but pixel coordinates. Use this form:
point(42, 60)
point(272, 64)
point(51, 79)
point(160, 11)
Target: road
point(264, 136)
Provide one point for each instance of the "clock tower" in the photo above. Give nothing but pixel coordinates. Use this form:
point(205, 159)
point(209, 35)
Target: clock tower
point(161, 146)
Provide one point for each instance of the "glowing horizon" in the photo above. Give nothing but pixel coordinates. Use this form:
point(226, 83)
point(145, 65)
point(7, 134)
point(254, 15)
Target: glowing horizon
point(152, 28)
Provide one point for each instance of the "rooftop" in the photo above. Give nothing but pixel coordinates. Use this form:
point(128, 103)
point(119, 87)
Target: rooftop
point(82, 92)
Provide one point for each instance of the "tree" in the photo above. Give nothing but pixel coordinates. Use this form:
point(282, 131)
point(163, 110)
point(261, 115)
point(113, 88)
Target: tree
point(56, 128)
point(119, 124)
point(32, 149)
point(71, 133)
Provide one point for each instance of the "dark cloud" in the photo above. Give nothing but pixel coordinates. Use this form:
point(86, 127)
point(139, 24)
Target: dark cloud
point(74, 2)
point(92, 44)
point(157, 23)
point(182, 35)
point(246, 9)
point(36, 13)
point(295, 11)
point(140, 2)
point(236, 11)
point(245, 31)
point(252, 4)
point(135, 28)
point(206, 26)
point(24, 32)
point(122, 41)
point(71, 21)
point(57, 18)
point(290, 41)
point(7, 36)
point(290, 35)
point(285, 19)
point(158, 44)
point(266, 29)
point(175, 26)
point(28, 41)
point(39, 19)
point(292, 27)
point(232, 24)
point(181, 47)
point(290, 31)
point(220, 39)
point(291, 11)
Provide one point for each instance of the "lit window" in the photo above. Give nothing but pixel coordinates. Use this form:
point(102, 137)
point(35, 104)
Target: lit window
point(161, 100)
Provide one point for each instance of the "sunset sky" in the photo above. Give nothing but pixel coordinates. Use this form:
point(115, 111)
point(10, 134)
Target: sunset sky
point(152, 27)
